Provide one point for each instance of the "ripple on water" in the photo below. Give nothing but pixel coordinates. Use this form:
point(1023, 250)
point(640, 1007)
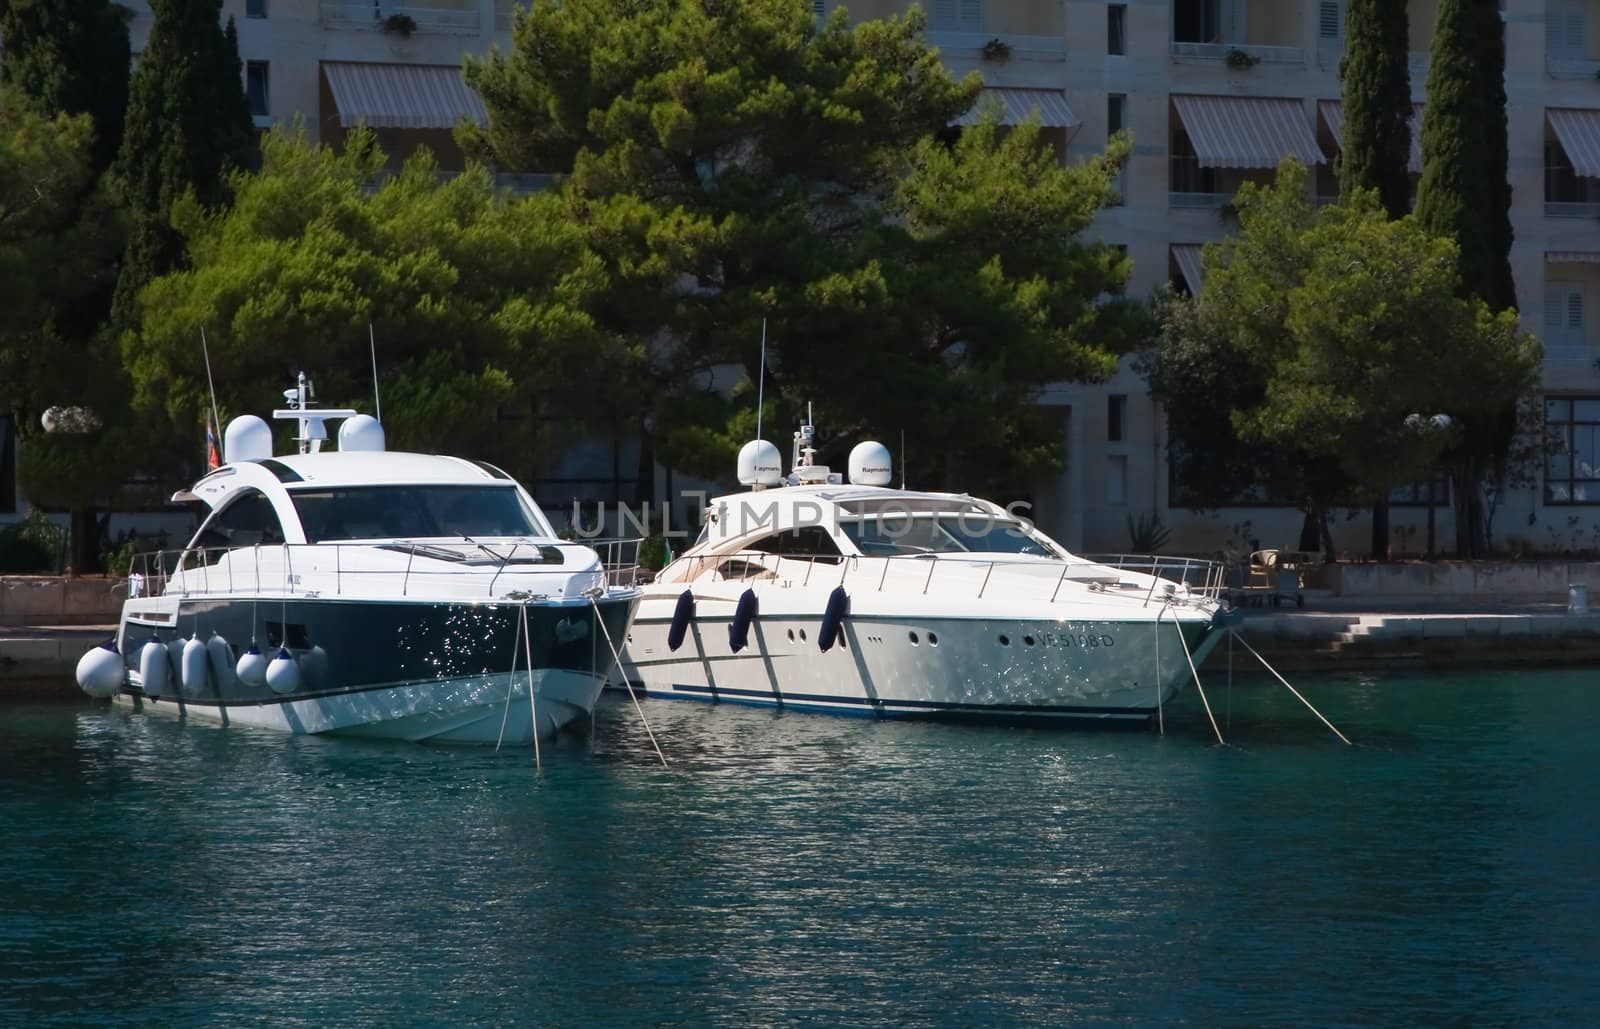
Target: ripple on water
point(794, 869)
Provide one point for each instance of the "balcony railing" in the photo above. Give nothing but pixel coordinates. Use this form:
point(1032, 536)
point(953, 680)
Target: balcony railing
point(373, 15)
point(1021, 46)
point(1570, 210)
point(1331, 48)
point(1199, 200)
point(1220, 52)
point(1571, 67)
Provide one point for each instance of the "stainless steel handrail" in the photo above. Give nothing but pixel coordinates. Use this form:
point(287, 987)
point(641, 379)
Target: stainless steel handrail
point(1200, 578)
point(154, 573)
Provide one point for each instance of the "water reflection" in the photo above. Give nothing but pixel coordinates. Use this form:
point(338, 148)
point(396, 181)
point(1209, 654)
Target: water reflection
point(799, 869)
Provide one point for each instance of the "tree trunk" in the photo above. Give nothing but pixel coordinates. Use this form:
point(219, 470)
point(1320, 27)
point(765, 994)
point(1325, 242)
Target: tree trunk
point(84, 543)
point(1471, 534)
point(645, 473)
point(1310, 535)
point(1380, 530)
point(1329, 555)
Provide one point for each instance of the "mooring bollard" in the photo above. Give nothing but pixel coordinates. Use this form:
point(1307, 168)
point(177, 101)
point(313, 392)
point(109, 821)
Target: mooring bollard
point(1578, 598)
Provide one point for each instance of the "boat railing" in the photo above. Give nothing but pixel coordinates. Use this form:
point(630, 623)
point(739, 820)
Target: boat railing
point(620, 558)
point(1199, 578)
point(305, 569)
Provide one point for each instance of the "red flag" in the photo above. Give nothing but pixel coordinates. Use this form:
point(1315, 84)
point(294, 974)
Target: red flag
point(213, 456)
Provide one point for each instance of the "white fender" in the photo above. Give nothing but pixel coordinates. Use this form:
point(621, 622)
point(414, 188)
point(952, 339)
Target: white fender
point(283, 672)
point(193, 667)
point(252, 667)
point(314, 665)
point(221, 657)
point(154, 667)
point(100, 671)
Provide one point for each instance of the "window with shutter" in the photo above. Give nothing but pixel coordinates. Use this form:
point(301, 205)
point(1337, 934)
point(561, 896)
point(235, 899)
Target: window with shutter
point(1565, 25)
point(1330, 19)
point(971, 15)
point(1563, 314)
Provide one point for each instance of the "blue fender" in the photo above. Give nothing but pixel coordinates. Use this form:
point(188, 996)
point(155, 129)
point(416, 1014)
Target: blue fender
point(743, 615)
point(682, 615)
point(833, 618)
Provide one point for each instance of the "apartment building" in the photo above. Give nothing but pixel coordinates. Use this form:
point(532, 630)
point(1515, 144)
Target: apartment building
point(1215, 93)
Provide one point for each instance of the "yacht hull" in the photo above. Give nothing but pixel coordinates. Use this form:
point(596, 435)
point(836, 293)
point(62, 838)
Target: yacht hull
point(490, 709)
point(992, 669)
point(445, 672)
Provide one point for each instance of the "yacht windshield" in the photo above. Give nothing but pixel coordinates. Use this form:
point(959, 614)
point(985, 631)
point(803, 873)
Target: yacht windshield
point(900, 535)
point(412, 512)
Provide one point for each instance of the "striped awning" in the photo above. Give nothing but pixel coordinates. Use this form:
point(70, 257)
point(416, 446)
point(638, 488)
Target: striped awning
point(1187, 258)
point(402, 96)
point(1572, 257)
point(1333, 114)
point(1579, 133)
point(1247, 131)
point(1015, 104)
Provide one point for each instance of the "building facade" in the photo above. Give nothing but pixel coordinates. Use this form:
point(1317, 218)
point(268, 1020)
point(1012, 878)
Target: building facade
point(1214, 92)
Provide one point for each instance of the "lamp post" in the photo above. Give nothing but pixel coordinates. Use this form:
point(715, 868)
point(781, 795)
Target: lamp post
point(1424, 427)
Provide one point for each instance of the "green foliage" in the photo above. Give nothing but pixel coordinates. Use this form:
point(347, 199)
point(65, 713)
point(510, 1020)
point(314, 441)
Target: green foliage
point(479, 303)
point(188, 124)
point(1318, 333)
point(1376, 76)
point(34, 546)
point(1146, 534)
point(736, 163)
point(58, 241)
point(1464, 193)
point(71, 56)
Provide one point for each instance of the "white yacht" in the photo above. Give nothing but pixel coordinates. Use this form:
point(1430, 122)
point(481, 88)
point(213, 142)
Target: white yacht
point(811, 593)
point(366, 592)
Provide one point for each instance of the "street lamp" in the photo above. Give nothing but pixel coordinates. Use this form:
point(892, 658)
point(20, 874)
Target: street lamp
point(1425, 426)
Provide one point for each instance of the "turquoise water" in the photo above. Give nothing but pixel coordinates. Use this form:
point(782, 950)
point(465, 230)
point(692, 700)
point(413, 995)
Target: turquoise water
point(806, 870)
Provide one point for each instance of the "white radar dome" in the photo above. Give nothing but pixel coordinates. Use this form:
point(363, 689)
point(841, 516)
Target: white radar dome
point(870, 464)
point(247, 438)
point(760, 464)
point(362, 432)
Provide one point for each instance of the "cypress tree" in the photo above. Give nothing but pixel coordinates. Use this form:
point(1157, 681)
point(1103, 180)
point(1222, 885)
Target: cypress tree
point(1376, 79)
point(188, 124)
point(1464, 193)
point(72, 56)
point(1376, 76)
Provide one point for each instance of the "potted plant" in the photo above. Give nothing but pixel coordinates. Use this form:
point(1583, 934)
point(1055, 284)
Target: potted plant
point(996, 49)
point(1238, 59)
point(403, 24)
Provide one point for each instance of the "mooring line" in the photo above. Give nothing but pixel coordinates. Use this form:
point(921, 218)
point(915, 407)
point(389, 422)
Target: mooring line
point(626, 681)
point(511, 685)
point(1246, 644)
point(1196, 674)
point(533, 709)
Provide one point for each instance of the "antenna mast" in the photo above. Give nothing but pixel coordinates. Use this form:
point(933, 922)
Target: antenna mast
point(376, 403)
point(205, 351)
point(761, 379)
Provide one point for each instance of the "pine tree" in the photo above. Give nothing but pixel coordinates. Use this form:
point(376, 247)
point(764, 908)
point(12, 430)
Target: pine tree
point(1377, 104)
point(72, 56)
point(1464, 193)
point(188, 124)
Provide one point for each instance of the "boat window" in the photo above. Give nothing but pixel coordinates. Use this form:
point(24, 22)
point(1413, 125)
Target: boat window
point(247, 520)
point(897, 535)
point(412, 512)
point(812, 542)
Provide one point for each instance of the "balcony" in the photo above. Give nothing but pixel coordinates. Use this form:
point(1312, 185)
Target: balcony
point(1563, 209)
point(1199, 201)
point(1222, 51)
point(1022, 46)
point(443, 17)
